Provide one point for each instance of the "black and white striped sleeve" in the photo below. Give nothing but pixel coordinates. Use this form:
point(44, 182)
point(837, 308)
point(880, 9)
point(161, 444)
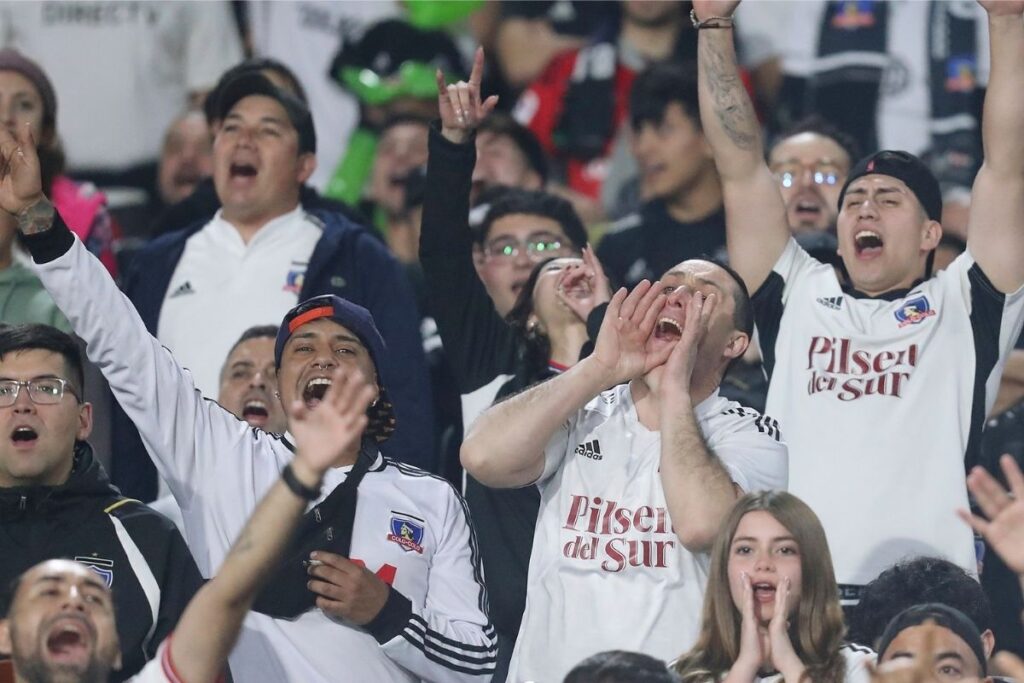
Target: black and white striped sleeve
point(451, 638)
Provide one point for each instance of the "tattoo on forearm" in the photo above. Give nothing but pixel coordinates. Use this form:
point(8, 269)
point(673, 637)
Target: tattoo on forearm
point(36, 218)
point(729, 98)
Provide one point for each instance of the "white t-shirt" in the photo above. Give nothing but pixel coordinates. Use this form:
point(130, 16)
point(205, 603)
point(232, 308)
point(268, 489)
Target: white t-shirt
point(791, 30)
point(880, 400)
point(306, 36)
point(607, 570)
point(222, 286)
point(122, 70)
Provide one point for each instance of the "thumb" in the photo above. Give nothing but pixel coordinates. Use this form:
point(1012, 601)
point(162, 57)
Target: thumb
point(25, 136)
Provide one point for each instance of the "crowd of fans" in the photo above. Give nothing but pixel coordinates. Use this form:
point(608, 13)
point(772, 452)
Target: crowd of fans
point(512, 341)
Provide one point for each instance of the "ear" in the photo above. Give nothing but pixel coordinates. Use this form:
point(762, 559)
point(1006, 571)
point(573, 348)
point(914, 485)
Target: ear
point(931, 236)
point(478, 257)
point(307, 164)
point(5, 637)
point(737, 345)
point(84, 422)
point(988, 641)
point(533, 324)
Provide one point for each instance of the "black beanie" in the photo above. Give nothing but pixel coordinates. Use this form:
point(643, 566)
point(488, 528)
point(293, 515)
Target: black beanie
point(944, 616)
point(902, 166)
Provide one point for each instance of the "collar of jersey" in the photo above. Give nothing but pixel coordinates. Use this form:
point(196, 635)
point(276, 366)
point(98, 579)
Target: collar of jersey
point(269, 230)
point(378, 460)
point(891, 295)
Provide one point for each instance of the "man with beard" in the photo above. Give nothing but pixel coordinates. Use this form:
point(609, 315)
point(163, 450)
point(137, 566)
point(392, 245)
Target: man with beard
point(60, 624)
point(635, 479)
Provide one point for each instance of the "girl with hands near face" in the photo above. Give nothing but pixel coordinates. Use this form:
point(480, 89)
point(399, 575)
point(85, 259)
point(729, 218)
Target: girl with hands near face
point(771, 610)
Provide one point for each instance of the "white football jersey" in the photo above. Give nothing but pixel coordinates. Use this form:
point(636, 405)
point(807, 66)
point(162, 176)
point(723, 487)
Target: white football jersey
point(880, 400)
point(607, 570)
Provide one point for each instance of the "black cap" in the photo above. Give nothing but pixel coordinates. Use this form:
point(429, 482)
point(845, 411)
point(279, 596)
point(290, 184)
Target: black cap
point(902, 166)
point(942, 615)
point(247, 84)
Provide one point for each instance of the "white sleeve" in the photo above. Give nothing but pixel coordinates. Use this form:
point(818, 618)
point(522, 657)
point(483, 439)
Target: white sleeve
point(212, 46)
point(185, 434)
point(754, 455)
point(556, 450)
point(793, 265)
point(450, 638)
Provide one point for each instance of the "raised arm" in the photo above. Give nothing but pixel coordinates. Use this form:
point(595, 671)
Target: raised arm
point(505, 447)
point(209, 627)
point(756, 228)
point(995, 230)
point(698, 490)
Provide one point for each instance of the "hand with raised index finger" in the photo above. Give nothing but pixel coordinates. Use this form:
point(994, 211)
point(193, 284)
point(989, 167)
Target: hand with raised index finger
point(460, 104)
point(21, 183)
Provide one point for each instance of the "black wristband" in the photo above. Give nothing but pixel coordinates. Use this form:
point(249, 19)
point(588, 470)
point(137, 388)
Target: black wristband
point(296, 486)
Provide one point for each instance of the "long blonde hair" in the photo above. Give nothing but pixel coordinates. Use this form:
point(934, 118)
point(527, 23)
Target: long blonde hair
point(817, 631)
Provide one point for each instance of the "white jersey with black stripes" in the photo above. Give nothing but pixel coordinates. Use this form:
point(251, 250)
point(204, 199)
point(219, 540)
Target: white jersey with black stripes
point(607, 571)
point(412, 529)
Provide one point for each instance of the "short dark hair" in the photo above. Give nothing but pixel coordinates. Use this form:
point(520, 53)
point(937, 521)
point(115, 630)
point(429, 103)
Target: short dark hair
point(913, 582)
point(535, 203)
point(7, 594)
point(659, 86)
point(32, 336)
point(255, 332)
point(501, 123)
point(743, 311)
point(619, 666)
point(536, 347)
point(819, 126)
point(252, 65)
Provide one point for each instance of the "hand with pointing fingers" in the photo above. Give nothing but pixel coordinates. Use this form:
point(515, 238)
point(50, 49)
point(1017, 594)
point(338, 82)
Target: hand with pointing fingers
point(460, 105)
point(21, 183)
point(1004, 529)
point(582, 287)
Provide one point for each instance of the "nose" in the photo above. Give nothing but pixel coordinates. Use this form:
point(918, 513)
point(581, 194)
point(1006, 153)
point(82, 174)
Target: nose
point(679, 297)
point(324, 363)
point(73, 599)
point(764, 562)
point(643, 142)
point(23, 403)
point(867, 209)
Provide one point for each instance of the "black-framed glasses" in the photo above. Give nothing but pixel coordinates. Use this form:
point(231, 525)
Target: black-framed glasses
point(821, 174)
point(539, 246)
point(42, 391)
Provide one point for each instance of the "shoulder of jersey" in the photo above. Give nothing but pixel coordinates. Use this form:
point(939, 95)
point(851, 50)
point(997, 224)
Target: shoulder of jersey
point(629, 222)
point(411, 473)
point(853, 649)
point(606, 402)
point(744, 418)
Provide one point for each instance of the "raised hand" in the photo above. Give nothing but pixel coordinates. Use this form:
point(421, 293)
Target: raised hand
point(621, 346)
point(783, 657)
point(714, 8)
point(752, 644)
point(346, 589)
point(460, 105)
point(334, 427)
point(1004, 529)
point(581, 287)
point(21, 183)
point(683, 358)
point(1004, 8)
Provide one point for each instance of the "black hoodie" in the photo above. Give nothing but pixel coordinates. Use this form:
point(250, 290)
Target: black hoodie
point(138, 552)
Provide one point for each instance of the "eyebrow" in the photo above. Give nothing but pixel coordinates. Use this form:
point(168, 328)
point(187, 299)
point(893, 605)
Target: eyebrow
point(820, 160)
point(698, 278)
point(263, 119)
point(58, 578)
point(775, 539)
point(32, 379)
point(336, 337)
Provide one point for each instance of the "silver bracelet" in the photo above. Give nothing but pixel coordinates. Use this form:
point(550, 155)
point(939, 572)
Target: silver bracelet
point(711, 22)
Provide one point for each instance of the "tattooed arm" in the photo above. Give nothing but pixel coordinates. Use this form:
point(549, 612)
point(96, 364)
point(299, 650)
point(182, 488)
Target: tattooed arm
point(756, 228)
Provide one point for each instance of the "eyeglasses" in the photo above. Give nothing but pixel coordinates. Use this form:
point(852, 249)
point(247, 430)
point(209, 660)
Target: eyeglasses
point(539, 246)
point(43, 391)
point(788, 174)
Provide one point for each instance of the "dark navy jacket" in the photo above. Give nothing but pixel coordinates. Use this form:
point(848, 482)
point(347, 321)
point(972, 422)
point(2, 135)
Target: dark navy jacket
point(348, 261)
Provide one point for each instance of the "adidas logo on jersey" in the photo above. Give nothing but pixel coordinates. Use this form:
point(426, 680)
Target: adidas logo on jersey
point(590, 449)
point(185, 288)
point(833, 302)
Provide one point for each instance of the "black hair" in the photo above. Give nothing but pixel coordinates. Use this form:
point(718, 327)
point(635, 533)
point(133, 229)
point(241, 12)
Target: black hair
point(32, 336)
point(252, 65)
point(953, 242)
point(922, 580)
point(535, 203)
point(536, 348)
point(501, 123)
point(402, 119)
point(659, 86)
point(255, 332)
point(619, 666)
point(7, 596)
point(819, 126)
point(743, 311)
